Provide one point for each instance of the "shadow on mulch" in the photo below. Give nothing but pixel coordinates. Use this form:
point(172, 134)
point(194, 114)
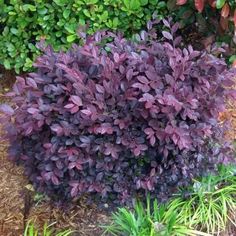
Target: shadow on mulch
point(7, 79)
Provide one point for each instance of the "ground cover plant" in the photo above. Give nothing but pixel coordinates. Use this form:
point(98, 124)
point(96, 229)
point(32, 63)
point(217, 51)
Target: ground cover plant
point(120, 118)
point(208, 205)
point(151, 220)
point(23, 23)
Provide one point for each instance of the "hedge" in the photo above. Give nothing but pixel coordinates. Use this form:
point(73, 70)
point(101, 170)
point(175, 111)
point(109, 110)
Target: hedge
point(23, 23)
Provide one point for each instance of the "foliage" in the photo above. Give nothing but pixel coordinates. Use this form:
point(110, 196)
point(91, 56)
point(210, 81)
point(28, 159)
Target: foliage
point(30, 230)
point(227, 9)
point(209, 203)
point(23, 23)
point(216, 16)
point(116, 118)
point(153, 220)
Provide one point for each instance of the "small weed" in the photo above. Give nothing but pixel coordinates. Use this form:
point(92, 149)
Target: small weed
point(31, 230)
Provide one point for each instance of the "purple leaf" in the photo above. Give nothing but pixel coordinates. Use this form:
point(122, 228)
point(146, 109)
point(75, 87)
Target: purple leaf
point(167, 35)
point(143, 79)
point(6, 109)
point(76, 100)
point(31, 82)
point(32, 110)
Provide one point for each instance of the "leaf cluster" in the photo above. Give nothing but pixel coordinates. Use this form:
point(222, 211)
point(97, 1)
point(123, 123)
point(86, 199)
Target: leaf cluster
point(118, 118)
point(24, 23)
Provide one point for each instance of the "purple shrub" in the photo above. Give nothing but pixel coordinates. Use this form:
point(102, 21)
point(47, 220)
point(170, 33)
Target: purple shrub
point(119, 119)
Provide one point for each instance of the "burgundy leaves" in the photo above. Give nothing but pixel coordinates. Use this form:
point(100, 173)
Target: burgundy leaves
point(138, 117)
point(6, 109)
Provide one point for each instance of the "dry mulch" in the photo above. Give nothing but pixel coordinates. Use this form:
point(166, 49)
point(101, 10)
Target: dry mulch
point(230, 115)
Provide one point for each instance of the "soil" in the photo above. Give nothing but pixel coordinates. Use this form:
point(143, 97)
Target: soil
point(7, 79)
point(19, 203)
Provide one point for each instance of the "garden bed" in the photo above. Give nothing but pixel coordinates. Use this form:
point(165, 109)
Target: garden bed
point(19, 203)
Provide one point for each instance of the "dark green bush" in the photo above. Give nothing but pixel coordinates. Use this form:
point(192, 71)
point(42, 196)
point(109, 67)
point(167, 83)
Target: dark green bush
point(25, 22)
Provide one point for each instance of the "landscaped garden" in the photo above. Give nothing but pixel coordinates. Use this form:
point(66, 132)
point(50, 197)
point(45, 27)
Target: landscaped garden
point(118, 117)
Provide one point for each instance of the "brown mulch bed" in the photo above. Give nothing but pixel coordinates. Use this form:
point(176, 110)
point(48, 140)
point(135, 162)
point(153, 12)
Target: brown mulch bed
point(230, 115)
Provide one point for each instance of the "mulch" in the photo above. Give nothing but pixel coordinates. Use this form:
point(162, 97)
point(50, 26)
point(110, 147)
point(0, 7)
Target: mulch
point(230, 115)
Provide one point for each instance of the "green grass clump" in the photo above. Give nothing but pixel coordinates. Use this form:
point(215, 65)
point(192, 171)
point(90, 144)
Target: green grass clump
point(30, 230)
point(208, 205)
point(154, 220)
point(203, 209)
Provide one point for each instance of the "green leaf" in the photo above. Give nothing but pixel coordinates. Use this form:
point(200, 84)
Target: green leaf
point(31, 46)
point(47, 17)
point(69, 28)
point(42, 11)
point(126, 2)
point(66, 13)
point(12, 13)
point(81, 21)
point(60, 2)
point(10, 47)
point(89, 2)
point(58, 33)
point(115, 22)
point(71, 38)
point(14, 30)
point(134, 5)
point(143, 2)
point(232, 58)
point(7, 64)
point(30, 7)
point(86, 13)
point(161, 4)
point(28, 63)
point(220, 4)
point(104, 16)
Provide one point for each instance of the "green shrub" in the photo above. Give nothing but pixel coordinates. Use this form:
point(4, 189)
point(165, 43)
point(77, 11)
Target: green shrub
point(23, 23)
